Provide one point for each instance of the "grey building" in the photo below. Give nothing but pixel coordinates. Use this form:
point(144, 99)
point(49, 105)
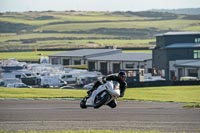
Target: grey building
point(120, 61)
point(79, 57)
point(173, 46)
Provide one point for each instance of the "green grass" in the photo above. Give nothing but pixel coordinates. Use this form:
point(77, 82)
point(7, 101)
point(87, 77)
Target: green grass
point(33, 55)
point(186, 94)
point(164, 25)
point(85, 29)
point(6, 37)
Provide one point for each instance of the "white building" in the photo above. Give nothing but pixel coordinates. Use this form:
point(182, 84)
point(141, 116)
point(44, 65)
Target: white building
point(120, 61)
point(185, 68)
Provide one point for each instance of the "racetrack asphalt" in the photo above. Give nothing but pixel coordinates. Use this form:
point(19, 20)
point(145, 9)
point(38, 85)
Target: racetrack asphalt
point(67, 115)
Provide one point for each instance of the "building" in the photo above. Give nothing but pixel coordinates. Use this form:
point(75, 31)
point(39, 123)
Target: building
point(113, 63)
point(79, 57)
point(172, 47)
point(185, 68)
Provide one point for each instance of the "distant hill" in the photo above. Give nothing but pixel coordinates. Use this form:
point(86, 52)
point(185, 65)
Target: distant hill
point(188, 11)
point(79, 29)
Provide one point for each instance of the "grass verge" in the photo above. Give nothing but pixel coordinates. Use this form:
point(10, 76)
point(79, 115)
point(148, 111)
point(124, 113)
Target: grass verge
point(185, 94)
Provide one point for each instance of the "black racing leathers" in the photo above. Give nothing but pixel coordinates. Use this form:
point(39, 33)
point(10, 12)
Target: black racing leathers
point(123, 84)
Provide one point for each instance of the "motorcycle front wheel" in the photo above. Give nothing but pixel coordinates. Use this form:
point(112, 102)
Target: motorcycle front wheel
point(101, 99)
point(83, 102)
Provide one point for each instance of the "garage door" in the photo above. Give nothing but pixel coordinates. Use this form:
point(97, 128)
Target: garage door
point(116, 67)
point(103, 68)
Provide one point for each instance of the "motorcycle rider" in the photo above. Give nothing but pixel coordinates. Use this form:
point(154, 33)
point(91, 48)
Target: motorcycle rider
point(120, 78)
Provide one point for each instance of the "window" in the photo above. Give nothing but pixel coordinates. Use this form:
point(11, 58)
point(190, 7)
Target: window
point(54, 61)
point(196, 54)
point(66, 62)
point(17, 76)
point(129, 65)
point(193, 72)
point(91, 65)
point(77, 62)
point(197, 40)
point(69, 76)
point(142, 66)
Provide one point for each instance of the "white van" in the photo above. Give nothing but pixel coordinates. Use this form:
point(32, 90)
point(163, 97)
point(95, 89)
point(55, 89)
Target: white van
point(52, 81)
point(69, 78)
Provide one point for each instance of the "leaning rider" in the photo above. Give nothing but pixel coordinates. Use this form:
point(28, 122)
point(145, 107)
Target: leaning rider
point(120, 78)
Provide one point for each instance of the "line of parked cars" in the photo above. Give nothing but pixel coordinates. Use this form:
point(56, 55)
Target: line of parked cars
point(43, 75)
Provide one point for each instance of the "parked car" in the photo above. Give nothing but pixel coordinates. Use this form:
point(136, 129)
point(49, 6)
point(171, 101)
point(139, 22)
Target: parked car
point(18, 85)
point(11, 81)
point(188, 78)
point(67, 87)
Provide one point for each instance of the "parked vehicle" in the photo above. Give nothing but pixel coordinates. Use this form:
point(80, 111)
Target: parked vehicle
point(69, 78)
point(103, 95)
point(67, 87)
point(18, 74)
point(149, 77)
point(18, 85)
point(88, 77)
point(11, 81)
point(12, 65)
point(188, 78)
point(1, 82)
point(27, 76)
point(85, 79)
point(52, 81)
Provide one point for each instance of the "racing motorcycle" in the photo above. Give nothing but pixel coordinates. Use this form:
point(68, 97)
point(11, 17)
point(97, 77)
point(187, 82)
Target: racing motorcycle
point(102, 95)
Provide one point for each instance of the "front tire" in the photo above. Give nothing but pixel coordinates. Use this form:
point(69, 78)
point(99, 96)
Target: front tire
point(101, 100)
point(83, 102)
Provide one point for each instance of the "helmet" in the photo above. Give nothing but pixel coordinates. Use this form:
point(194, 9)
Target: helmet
point(122, 74)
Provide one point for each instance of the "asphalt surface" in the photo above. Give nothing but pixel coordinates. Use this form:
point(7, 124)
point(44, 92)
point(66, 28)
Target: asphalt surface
point(67, 115)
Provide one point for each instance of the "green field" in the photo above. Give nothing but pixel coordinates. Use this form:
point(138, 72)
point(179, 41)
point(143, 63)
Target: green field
point(185, 94)
point(26, 56)
point(49, 30)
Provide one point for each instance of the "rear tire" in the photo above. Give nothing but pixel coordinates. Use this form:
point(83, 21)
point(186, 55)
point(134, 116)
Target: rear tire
point(100, 101)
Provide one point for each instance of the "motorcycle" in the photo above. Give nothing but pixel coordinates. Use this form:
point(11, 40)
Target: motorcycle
point(102, 95)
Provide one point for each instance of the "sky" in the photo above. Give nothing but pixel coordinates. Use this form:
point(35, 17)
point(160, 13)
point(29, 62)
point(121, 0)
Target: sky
point(94, 5)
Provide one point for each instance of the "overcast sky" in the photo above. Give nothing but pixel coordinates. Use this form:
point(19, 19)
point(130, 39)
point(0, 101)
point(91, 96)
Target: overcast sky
point(94, 5)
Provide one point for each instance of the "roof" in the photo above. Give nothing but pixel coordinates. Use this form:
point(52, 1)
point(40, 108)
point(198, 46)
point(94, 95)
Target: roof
point(178, 33)
point(124, 57)
point(193, 63)
point(85, 52)
point(182, 45)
